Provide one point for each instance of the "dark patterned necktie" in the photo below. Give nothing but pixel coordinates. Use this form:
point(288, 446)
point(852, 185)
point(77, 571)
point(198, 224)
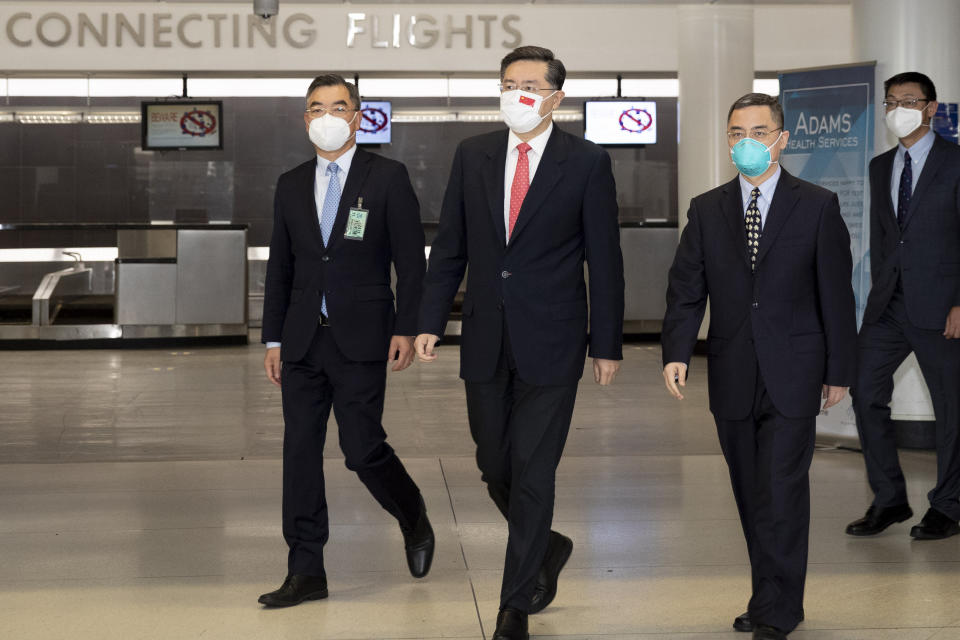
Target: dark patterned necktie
point(906, 189)
point(753, 222)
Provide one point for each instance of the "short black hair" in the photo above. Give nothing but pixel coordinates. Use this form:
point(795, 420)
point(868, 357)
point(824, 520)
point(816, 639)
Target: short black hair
point(556, 72)
point(929, 91)
point(336, 80)
point(759, 100)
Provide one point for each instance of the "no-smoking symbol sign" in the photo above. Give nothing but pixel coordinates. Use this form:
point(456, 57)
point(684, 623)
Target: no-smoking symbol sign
point(373, 120)
point(198, 123)
point(635, 120)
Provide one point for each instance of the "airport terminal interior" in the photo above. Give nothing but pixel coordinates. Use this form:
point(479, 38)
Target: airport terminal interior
point(141, 442)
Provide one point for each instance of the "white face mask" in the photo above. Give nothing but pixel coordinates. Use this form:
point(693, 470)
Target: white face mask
point(902, 121)
point(520, 110)
point(329, 132)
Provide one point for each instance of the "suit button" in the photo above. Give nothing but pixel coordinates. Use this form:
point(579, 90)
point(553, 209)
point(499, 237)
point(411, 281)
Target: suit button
point(500, 306)
point(325, 259)
point(756, 305)
point(505, 274)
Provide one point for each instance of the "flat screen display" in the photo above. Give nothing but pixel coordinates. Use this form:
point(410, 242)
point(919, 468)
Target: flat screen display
point(374, 122)
point(182, 125)
point(620, 122)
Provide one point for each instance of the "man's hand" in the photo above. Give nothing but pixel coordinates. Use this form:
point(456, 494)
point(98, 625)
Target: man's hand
point(952, 330)
point(675, 373)
point(425, 347)
point(401, 350)
point(604, 371)
point(832, 395)
point(271, 362)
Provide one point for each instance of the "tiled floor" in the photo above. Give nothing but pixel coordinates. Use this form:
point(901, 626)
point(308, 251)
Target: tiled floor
point(141, 499)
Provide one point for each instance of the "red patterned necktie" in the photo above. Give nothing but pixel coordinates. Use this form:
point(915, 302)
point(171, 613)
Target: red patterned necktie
point(521, 182)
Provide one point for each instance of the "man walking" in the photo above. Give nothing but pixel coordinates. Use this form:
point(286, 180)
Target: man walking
point(524, 209)
point(773, 254)
point(914, 306)
point(330, 326)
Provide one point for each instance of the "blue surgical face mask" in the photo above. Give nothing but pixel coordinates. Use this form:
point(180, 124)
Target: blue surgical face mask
point(752, 158)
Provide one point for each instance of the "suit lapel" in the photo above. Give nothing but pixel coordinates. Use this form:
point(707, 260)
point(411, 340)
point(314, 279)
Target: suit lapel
point(731, 203)
point(888, 217)
point(785, 198)
point(309, 193)
point(549, 172)
point(493, 172)
point(930, 167)
point(359, 168)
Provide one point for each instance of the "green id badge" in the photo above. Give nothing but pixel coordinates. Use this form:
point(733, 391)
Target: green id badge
point(356, 222)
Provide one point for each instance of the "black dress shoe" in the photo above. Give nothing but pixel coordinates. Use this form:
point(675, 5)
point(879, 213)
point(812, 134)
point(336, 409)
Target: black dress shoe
point(558, 552)
point(419, 544)
point(511, 625)
point(743, 622)
point(766, 632)
point(295, 589)
point(876, 520)
point(935, 526)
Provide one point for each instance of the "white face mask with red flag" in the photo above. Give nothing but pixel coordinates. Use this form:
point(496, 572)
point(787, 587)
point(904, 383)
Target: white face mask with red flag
point(520, 110)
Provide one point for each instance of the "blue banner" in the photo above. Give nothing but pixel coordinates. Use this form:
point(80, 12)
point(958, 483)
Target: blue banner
point(829, 113)
point(945, 121)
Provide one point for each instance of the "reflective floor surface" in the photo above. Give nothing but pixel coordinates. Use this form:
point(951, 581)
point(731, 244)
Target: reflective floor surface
point(141, 500)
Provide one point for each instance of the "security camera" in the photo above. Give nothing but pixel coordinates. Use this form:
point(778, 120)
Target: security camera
point(266, 8)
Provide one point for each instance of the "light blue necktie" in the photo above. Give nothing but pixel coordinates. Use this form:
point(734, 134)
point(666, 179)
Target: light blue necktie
point(331, 202)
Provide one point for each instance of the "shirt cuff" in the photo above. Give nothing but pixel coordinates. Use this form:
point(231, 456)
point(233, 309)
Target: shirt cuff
point(273, 345)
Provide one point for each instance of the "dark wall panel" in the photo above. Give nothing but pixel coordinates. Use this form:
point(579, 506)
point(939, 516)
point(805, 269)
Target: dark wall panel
point(97, 173)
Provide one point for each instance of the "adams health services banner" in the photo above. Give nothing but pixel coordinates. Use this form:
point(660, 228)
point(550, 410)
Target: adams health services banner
point(830, 113)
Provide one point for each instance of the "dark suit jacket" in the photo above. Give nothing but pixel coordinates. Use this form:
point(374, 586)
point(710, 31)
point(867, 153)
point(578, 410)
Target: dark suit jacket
point(926, 255)
point(795, 317)
point(354, 274)
point(537, 280)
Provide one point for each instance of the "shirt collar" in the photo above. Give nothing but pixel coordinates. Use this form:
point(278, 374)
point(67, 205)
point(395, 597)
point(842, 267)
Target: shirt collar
point(537, 144)
point(767, 187)
point(919, 149)
point(344, 162)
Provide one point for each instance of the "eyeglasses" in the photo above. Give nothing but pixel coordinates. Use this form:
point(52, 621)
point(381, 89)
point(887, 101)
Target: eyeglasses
point(760, 135)
point(529, 88)
point(909, 103)
point(340, 111)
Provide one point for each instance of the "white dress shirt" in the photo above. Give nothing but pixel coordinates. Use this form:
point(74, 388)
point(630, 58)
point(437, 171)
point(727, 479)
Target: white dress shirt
point(320, 184)
point(537, 145)
point(918, 157)
point(322, 181)
point(767, 187)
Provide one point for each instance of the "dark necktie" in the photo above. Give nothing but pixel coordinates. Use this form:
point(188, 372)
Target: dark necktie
point(906, 189)
point(753, 222)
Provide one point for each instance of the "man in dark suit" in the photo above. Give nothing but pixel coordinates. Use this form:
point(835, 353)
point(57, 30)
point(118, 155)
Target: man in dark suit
point(914, 305)
point(329, 322)
point(773, 254)
point(524, 208)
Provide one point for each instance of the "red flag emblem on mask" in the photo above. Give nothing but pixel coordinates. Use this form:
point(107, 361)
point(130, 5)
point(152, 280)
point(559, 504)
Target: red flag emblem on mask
point(527, 100)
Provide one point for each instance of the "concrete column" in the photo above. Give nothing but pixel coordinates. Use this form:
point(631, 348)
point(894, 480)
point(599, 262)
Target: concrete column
point(909, 35)
point(716, 68)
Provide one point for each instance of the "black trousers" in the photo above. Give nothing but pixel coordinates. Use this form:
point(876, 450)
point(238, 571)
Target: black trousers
point(325, 378)
point(520, 430)
point(882, 346)
point(769, 457)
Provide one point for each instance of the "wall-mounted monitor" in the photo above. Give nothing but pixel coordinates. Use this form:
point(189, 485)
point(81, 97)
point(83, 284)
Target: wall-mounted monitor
point(374, 122)
point(181, 124)
point(620, 122)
